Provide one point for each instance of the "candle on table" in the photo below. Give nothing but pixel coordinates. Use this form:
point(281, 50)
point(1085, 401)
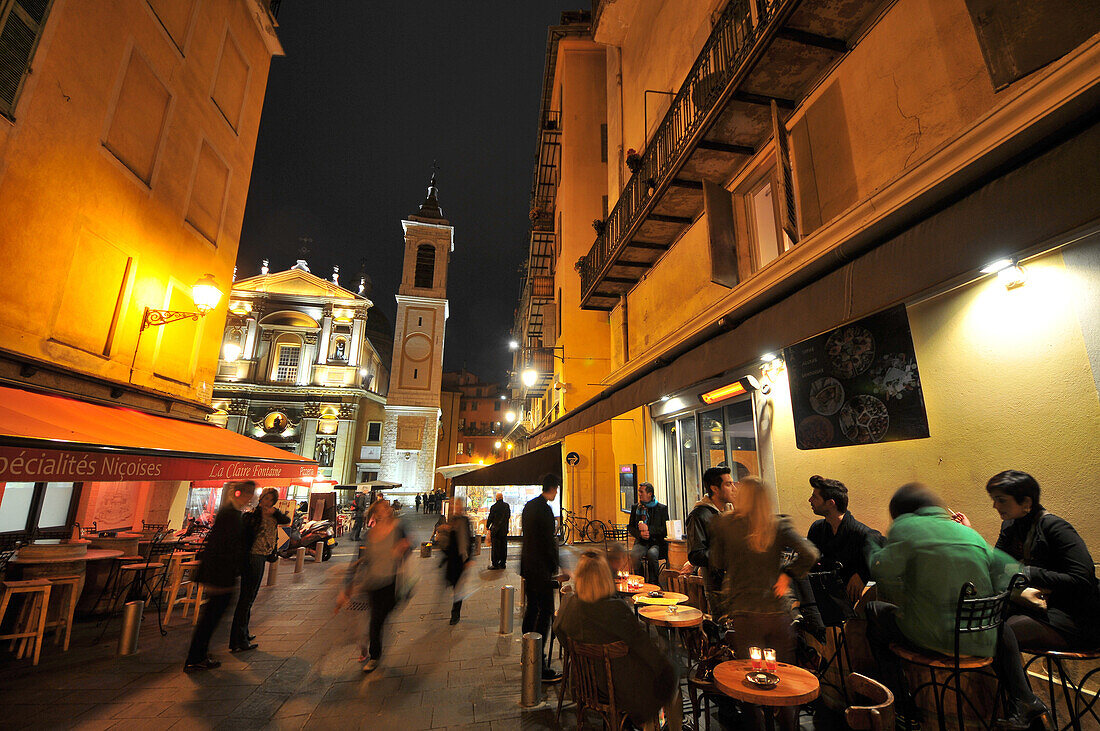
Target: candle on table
point(756, 657)
point(769, 660)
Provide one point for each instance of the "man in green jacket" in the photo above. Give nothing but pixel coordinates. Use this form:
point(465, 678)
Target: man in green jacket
point(927, 559)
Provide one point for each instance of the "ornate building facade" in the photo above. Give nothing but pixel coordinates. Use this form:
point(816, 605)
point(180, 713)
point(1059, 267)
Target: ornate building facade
point(412, 424)
point(299, 370)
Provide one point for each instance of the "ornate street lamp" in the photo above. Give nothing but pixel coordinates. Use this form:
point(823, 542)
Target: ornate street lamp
point(206, 295)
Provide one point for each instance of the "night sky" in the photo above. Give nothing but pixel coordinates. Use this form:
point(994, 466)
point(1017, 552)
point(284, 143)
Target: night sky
point(368, 95)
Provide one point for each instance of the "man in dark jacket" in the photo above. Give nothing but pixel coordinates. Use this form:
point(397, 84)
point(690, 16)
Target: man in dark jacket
point(220, 565)
point(538, 565)
point(648, 525)
point(721, 490)
point(359, 505)
point(497, 525)
point(841, 539)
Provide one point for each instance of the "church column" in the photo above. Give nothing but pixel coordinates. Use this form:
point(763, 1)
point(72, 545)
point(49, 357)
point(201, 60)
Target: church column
point(250, 333)
point(326, 331)
point(356, 341)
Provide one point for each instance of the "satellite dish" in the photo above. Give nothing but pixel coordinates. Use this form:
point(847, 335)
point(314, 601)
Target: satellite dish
point(572, 459)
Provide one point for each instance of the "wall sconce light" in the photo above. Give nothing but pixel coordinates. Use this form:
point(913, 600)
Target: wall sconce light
point(497, 445)
point(510, 416)
point(206, 295)
point(231, 351)
point(1008, 272)
point(513, 345)
point(529, 377)
point(509, 446)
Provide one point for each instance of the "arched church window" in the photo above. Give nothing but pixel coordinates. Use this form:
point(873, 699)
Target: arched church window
point(425, 266)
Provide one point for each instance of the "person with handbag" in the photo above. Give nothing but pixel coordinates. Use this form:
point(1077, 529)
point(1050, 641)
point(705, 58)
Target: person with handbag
point(372, 580)
point(260, 531)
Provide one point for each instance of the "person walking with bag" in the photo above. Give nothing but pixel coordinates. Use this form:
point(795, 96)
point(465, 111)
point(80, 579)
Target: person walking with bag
point(373, 578)
point(260, 527)
point(457, 553)
point(219, 566)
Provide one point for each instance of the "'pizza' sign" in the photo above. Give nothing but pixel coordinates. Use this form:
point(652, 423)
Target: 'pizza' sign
point(857, 384)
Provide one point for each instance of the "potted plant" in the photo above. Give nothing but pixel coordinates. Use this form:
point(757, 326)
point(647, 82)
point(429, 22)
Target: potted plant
point(599, 225)
point(633, 160)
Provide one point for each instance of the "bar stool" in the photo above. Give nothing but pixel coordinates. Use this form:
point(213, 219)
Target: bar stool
point(67, 587)
point(180, 564)
point(32, 613)
point(192, 596)
point(1078, 700)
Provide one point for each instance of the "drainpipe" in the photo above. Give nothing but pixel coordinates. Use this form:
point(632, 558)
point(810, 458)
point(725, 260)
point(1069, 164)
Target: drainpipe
point(625, 330)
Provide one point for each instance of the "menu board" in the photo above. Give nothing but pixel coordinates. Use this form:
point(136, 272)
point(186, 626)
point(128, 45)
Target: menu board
point(857, 384)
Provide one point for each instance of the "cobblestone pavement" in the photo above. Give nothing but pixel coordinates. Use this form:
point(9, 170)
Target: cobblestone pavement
point(305, 672)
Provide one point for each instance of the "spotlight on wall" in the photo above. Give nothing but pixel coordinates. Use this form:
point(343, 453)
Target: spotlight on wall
point(510, 416)
point(497, 444)
point(231, 351)
point(1008, 272)
point(768, 357)
point(503, 397)
point(529, 377)
point(513, 345)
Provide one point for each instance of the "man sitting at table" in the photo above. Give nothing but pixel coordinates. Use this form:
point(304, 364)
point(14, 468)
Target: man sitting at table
point(648, 519)
point(842, 540)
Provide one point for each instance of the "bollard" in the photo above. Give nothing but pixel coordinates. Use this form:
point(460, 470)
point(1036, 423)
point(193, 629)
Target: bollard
point(272, 572)
point(131, 625)
point(523, 593)
point(531, 659)
point(300, 559)
point(507, 608)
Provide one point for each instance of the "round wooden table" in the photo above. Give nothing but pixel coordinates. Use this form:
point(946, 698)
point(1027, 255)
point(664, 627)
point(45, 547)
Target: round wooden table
point(625, 588)
point(796, 686)
point(667, 598)
point(45, 567)
point(660, 616)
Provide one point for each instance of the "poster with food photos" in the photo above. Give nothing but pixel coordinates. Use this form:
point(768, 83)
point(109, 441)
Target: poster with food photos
point(857, 384)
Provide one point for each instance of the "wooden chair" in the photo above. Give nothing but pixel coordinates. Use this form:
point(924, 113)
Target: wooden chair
point(972, 614)
point(68, 592)
point(878, 714)
point(192, 594)
point(589, 664)
point(35, 604)
point(1079, 700)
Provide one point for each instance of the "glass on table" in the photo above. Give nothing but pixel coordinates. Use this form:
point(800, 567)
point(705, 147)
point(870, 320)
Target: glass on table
point(770, 663)
point(756, 657)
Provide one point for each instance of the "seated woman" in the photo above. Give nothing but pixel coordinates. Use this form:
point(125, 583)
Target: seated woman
point(644, 679)
point(1058, 568)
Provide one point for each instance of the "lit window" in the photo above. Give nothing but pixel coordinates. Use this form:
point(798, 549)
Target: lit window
point(770, 240)
point(286, 367)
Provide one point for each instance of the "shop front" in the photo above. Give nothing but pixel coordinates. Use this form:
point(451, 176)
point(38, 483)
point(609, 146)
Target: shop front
point(519, 479)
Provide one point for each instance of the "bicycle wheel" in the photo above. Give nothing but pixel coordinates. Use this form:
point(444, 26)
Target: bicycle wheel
point(595, 531)
point(564, 533)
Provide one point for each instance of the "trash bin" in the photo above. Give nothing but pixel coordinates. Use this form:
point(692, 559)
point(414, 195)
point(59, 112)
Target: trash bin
point(425, 550)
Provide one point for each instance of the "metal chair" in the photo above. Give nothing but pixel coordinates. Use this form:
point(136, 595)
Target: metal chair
point(828, 594)
point(878, 714)
point(589, 665)
point(1079, 701)
point(972, 614)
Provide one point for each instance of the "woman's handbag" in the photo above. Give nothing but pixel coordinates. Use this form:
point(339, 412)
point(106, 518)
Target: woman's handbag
point(272, 557)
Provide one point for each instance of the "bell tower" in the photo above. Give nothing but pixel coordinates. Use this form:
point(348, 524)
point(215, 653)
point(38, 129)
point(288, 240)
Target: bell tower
point(410, 431)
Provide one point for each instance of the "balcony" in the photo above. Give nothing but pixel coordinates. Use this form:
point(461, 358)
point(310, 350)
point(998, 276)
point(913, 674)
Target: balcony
point(760, 52)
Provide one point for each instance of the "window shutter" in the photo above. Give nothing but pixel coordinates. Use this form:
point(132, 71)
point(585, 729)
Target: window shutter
point(788, 208)
point(20, 29)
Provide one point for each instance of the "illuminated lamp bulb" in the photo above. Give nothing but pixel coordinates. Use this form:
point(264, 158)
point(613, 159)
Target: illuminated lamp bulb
point(513, 345)
point(231, 351)
point(510, 416)
point(206, 294)
point(529, 377)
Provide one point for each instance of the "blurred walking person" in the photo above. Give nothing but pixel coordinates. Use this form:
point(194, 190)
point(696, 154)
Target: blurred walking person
point(260, 527)
point(372, 579)
point(219, 566)
point(539, 566)
point(497, 526)
point(458, 549)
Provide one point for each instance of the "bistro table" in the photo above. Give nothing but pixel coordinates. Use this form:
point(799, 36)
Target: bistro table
point(667, 598)
point(44, 567)
point(664, 616)
point(796, 686)
point(624, 587)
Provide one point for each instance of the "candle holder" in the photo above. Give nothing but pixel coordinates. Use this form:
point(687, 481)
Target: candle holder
point(756, 657)
point(770, 663)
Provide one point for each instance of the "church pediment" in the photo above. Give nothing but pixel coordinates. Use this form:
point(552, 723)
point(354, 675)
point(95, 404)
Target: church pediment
point(295, 282)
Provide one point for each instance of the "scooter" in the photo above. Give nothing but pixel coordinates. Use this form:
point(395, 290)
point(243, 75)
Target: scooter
point(310, 534)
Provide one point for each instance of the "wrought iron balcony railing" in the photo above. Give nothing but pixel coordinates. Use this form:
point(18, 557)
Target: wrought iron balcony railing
point(730, 43)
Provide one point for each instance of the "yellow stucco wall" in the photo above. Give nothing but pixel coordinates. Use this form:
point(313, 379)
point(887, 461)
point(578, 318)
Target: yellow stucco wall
point(87, 241)
point(1007, 385)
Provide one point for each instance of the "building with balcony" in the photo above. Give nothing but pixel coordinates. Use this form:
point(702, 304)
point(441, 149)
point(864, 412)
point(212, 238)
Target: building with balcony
point(840, 239)
point(481, 420)
point(126, 145)
point(300, 370)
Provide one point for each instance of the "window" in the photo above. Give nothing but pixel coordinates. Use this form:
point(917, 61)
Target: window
point(603, 147)
point(374, 431)
point(424, 275)
point(47, 507)
point(496, 405)
point(286, 364)
point(770, 240)
point(20, 30)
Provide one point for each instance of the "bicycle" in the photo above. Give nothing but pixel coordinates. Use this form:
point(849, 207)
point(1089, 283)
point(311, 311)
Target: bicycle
point(574, 527)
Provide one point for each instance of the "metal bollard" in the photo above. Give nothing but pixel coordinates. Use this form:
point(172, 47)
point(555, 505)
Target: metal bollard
point(131, 625)
point(300, 559)
point(531, 659)
point(507, 608)
point(523, 593)
point(272, 573)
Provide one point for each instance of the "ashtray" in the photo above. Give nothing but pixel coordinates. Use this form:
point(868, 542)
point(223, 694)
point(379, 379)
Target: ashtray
point(655, 595)
point(762, 679)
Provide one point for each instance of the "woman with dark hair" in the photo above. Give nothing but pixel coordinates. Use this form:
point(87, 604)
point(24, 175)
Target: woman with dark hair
point(1060, 607)
point(260, 527)
point(372, 580)
point(644, 679)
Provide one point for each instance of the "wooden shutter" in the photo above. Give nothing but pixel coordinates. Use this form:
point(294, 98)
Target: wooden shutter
point(20, 29)
point(788, 208)
point(721, 235)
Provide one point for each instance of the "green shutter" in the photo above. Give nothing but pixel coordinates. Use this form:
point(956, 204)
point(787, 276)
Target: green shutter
point(21, 24)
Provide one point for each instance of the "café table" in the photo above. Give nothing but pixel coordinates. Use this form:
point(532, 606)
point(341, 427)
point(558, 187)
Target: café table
point(44, 567)
point(671, 617)
point(667, 598)
point(796, 686)
point(642, 588)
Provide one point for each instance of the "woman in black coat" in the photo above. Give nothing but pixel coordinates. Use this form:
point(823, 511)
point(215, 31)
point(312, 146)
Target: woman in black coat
point(457, 553)
point(261, 535)
point(644, 679)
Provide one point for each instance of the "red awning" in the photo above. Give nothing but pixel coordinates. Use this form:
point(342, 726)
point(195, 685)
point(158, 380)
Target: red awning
point(53, 438)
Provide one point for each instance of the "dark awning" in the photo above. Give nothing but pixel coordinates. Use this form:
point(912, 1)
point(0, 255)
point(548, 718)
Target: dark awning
point(526, 469)
point(1047, 199)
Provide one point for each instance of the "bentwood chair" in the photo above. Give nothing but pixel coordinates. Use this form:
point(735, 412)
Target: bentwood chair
point(589, 665)
point(972, 614)
point(1079, 700)
point(878, 713)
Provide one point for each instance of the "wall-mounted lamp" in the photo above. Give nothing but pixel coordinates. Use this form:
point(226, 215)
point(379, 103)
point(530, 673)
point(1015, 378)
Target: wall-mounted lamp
point(206, 295)
point(509, 446)
point(529, 377)
point(497, 445)
point(231, 351)
point(510, 416)
point(513, 345)
point(741, 386)
point(1008, 272)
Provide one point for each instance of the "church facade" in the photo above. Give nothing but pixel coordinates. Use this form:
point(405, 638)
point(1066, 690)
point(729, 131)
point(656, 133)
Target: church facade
point(412, 429)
